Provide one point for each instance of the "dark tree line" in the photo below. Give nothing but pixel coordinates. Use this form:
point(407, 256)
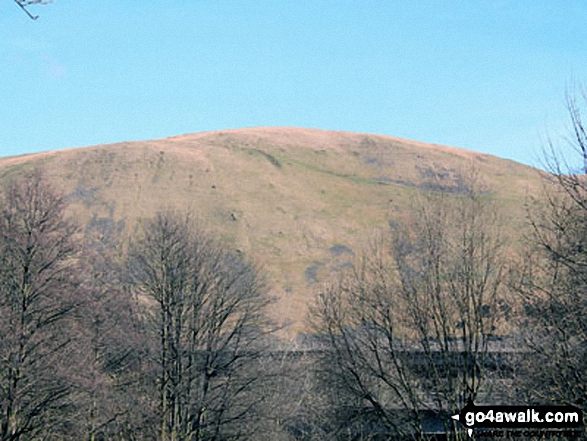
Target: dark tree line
point(161, 341)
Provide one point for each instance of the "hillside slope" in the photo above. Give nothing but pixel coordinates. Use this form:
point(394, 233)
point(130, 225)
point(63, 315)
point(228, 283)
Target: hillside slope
point(301, 202)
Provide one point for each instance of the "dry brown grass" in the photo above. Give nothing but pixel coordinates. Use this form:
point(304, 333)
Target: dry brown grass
point(283, 196)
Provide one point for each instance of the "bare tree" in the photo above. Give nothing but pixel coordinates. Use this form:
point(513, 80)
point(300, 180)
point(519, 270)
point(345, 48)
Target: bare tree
point(295, 407)
point(408, 329)
point(37, 297)
point(206, 313)
point(554, 284)
point(110, 402)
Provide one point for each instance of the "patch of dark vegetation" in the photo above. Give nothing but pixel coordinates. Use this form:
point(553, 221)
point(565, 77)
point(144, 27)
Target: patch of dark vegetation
point(442, 179)
point(158, 161)
point(443, 188)
point(104, 156)
point(367, 143)
point(340, 249)
point(369, 160)
point(404, 182)
point(436, 172)
point(311, 273)
point(435, 179)
point(386, 180)
point(85, 195)
point(394, 225)
point(272, 159)
point(103, 230)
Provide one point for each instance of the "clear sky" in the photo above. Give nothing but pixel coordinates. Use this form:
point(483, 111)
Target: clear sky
point(487, 75)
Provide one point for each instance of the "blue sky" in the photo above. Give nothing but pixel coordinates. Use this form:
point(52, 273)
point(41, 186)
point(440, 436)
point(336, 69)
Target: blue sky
point(484, 75)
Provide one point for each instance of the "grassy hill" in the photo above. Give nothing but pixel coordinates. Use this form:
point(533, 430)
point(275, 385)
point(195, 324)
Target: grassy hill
point(301, 202)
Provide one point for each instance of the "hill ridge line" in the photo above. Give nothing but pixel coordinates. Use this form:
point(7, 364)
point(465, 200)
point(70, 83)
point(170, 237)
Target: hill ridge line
point(261, 131)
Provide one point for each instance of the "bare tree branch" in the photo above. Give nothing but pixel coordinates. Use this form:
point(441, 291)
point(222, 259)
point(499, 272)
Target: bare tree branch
point(23, 4)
